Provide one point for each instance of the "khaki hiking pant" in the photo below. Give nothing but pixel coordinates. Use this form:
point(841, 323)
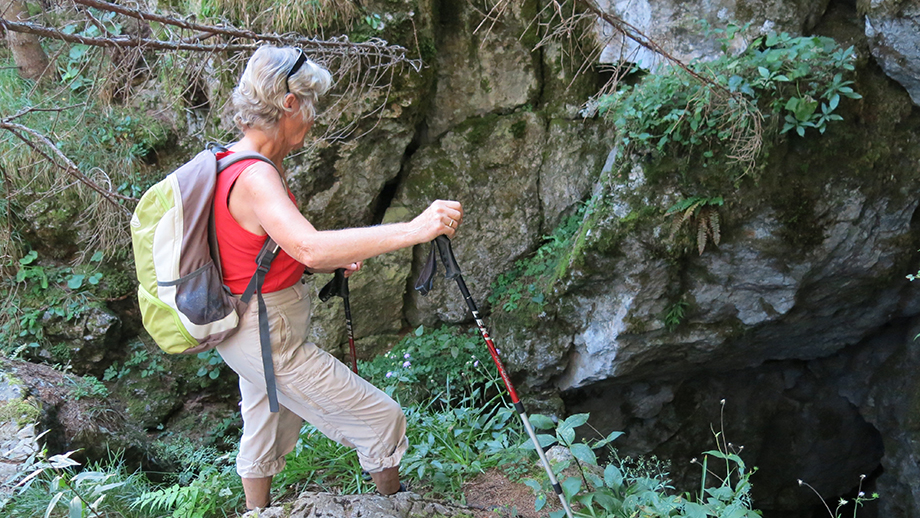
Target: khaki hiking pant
point(312, 386)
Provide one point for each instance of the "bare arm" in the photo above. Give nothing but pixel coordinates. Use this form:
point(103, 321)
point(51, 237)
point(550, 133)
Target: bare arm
point(260, 203)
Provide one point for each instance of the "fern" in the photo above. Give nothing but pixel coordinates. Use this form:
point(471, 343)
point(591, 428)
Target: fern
point(700, 212)
point(182, 500)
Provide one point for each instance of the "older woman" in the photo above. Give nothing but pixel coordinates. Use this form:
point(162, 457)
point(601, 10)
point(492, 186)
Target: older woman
point(274, 104)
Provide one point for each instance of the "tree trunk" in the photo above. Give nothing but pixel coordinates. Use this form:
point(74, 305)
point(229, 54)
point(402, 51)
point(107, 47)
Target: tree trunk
point(27, 51)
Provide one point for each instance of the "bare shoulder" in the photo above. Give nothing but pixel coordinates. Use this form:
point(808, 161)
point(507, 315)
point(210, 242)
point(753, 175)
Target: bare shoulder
point(261, 176)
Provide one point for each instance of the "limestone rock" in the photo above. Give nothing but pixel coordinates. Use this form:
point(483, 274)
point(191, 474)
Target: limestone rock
point(490, 165)
point(479, 72)
point(893, 29)
point(676, 25)
point(400, 505)
point(84, 341)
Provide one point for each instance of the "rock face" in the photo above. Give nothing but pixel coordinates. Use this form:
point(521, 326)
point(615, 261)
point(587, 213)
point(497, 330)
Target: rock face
point(400, 505)
point(893, 29)
point(801, 318)
point(677, 26)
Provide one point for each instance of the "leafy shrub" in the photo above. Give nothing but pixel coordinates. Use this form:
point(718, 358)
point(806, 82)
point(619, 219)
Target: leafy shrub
point(426, 362)
point(55, 487)
point(617, 490)
point(793, 83)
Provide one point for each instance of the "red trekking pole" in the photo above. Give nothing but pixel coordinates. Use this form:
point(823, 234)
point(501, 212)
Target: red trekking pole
point(423, 285)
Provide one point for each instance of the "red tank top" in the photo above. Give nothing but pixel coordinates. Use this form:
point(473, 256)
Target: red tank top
point(239, 247)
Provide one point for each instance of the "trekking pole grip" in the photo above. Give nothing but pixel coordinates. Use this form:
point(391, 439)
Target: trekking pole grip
point(447, 257)
point(337, 287)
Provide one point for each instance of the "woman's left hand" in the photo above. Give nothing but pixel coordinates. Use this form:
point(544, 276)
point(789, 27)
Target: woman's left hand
point(349, 269)
point(352, 268)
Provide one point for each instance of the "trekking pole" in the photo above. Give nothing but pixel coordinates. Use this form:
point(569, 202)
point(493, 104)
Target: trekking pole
point(423, 285)
point(338, 287)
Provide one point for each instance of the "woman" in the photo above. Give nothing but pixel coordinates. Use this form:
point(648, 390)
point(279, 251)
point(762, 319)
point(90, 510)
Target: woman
point(274, 105)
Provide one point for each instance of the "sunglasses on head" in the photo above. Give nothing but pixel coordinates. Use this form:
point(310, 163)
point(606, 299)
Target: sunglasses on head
point(297, 64)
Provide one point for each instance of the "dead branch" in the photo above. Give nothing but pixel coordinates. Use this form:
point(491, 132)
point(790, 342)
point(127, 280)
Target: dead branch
point(392, 54)
point(64, 163)
point(633, 33)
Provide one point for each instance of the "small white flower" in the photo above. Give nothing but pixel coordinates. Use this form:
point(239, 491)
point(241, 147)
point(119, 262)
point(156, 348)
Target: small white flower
point(407, 356)
point(406, 364)
point(476, 363)
point(389, 374)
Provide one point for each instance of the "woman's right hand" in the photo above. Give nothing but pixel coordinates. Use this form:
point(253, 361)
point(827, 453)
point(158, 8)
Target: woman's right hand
point(441, 217)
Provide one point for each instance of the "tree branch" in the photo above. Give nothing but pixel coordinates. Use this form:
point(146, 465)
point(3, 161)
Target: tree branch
point(632, 32)
point(377, 48)
point(63, 162)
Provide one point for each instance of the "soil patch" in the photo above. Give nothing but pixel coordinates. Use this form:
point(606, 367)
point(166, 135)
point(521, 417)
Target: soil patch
point(499, 497)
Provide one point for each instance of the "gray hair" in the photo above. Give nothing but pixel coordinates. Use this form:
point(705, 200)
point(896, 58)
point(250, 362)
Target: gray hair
point(258, 99)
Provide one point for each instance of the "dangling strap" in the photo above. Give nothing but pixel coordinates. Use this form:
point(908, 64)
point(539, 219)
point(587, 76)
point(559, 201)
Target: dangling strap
point(426, 277)
point(263, 263)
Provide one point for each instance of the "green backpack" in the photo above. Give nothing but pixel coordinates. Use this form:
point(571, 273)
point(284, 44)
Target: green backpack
point(184, 303)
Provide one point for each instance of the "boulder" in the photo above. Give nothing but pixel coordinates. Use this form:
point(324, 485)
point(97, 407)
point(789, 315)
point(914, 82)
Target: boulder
point(400, 505)
point(893, 30)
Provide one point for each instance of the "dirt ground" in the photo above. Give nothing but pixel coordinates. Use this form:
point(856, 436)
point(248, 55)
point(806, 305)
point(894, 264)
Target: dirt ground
point(497, 497)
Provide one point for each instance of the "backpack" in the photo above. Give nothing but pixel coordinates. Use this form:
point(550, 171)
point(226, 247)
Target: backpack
point(183, 301)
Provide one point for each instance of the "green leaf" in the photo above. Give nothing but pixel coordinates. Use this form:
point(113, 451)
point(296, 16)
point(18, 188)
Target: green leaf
point(734, 82)
point(29, 258)
point(419, 330)
point(544, 440)
point(76, 281)
point(52, 504)
point(539, 502)
point(541, 422)
point(613, 477)
point(594, 479)
point(76, 508)
point(557, 514)
point(610, 438)
point(584, 453)
point(533, 484)
point(607, 501)
point(97, 257)
point(571, 486)
point(694, 510)
point(574, 421)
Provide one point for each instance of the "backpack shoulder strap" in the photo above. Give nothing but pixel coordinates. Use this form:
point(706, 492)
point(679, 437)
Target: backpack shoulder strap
point(222, 164)
point(239, 156)
point(263, 262)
